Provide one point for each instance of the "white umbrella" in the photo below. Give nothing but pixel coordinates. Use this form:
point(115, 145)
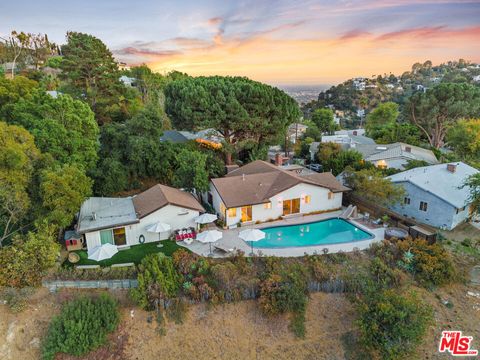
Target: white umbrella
point(102, 252)
point(252, 235)
point(158, 227)
point(205, 218)
point(209, 237)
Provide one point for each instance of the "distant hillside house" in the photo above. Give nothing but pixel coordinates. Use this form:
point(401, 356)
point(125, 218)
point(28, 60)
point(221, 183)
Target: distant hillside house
point(295, 131)
point(128, 81)
point(123, 221)
point(259, 192)
point(394, 155)
point(434, 194)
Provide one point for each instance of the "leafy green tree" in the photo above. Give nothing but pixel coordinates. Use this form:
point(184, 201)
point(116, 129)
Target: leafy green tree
point(323, 118)
point(312, 131)
point(90, 69)
point(384, 116)
point(391, 324)
point(111, 177)
point(12, 91)
point(157, 280)
point(473, 183)
point(63, 127)
point(440, 107)
point(464, 139)
point(18, 156)
point(334, 159)
point(27, 260)
point(191, 171)
point(63, 191)
point(371, 185)
point(240, 109)
point(82, 325)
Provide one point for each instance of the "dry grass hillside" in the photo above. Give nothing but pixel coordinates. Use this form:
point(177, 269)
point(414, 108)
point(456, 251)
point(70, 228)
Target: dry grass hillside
point(234, 331)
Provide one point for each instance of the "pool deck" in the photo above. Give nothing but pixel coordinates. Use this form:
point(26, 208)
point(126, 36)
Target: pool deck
point(231, 240)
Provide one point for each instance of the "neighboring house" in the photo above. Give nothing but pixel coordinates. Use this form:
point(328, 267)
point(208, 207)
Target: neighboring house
point(174, 136)
point(434, 194)
point(53, 93)
point(127, 81)
point(348, 139)
point(476, 78)
point(259, 192)
point(394, 155)
point(123, 221)
point(7, 68)
point(295, 131)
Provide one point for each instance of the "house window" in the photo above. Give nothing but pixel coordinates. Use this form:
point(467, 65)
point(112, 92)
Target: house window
point(267, 205)
point(114, 237)
point(106, 237)
point(406, 200)
point(330, 195)
point(460, 209)
point(232, 212)
point(423, 206)
point(308, 199)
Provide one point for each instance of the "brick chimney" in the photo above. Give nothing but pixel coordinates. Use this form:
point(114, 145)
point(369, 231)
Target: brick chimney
point(355, 132)
point(452, 167)
point(278, 159)
point(408, 149)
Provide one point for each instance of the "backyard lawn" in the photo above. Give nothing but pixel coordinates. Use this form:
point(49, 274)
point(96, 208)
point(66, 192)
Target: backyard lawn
point(135, 254)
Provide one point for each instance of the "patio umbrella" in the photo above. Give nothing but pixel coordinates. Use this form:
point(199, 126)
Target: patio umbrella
point(158, 227)
point(251, 235)
point(205, 218)
point(102, 252)
point(210, 237)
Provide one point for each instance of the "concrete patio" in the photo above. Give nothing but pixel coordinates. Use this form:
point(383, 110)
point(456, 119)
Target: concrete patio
point(232, 242)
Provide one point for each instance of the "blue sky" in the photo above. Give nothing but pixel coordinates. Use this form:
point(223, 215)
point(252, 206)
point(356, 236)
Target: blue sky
point(274, 41)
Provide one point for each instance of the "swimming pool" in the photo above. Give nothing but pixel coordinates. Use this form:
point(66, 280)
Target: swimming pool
point(325, 232)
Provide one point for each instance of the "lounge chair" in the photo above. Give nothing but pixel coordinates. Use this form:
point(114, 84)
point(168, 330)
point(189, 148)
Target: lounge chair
point(225, 250)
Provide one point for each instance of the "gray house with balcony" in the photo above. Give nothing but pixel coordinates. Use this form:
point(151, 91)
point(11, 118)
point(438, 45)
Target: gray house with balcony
point(434, 194)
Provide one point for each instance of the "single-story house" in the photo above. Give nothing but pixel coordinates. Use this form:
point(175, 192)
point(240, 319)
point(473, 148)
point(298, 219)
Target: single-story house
point(434, 194)
point(348, 139)
point(395, 155)
point(260, 192)
point(123, 221)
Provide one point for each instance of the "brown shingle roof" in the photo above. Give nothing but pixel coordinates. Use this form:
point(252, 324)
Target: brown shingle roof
point(159, 196)
point(258, 181)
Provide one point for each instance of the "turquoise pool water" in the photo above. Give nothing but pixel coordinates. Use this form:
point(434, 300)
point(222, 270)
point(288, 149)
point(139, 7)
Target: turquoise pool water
point(331, 231)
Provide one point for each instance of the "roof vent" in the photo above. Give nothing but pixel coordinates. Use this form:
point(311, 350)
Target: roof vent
point(94, 216)
point(355, 132)
point(408, 149)
point(381, 148)
point(243, 177)
point(452, 167)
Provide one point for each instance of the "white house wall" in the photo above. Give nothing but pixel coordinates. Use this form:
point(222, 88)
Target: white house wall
point(176, 217)
point(319, 202)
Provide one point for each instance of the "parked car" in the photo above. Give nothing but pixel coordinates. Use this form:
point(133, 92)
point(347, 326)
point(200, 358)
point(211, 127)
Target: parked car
point(315, 167)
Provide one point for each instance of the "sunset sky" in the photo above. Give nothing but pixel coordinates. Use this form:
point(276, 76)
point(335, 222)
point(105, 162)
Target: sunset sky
point(278, 42)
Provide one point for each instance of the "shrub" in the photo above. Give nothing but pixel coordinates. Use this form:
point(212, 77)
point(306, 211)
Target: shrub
point(83, 325)
point(430, 263)
point(17, 299)
point(28, 258)
point(392, 324)
point(157, 280)
point(286, 291)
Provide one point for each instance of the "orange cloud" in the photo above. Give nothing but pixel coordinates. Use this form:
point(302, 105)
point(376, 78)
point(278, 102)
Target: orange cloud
point(268, 58)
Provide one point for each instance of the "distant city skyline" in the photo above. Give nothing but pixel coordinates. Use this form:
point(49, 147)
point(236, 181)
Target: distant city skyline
point(278, 42)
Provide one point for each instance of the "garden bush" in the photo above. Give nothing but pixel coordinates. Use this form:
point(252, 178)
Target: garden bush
point(430, 264)
point(82, 326)
point(157, 280)
point(286, 291)
point(392, 324)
